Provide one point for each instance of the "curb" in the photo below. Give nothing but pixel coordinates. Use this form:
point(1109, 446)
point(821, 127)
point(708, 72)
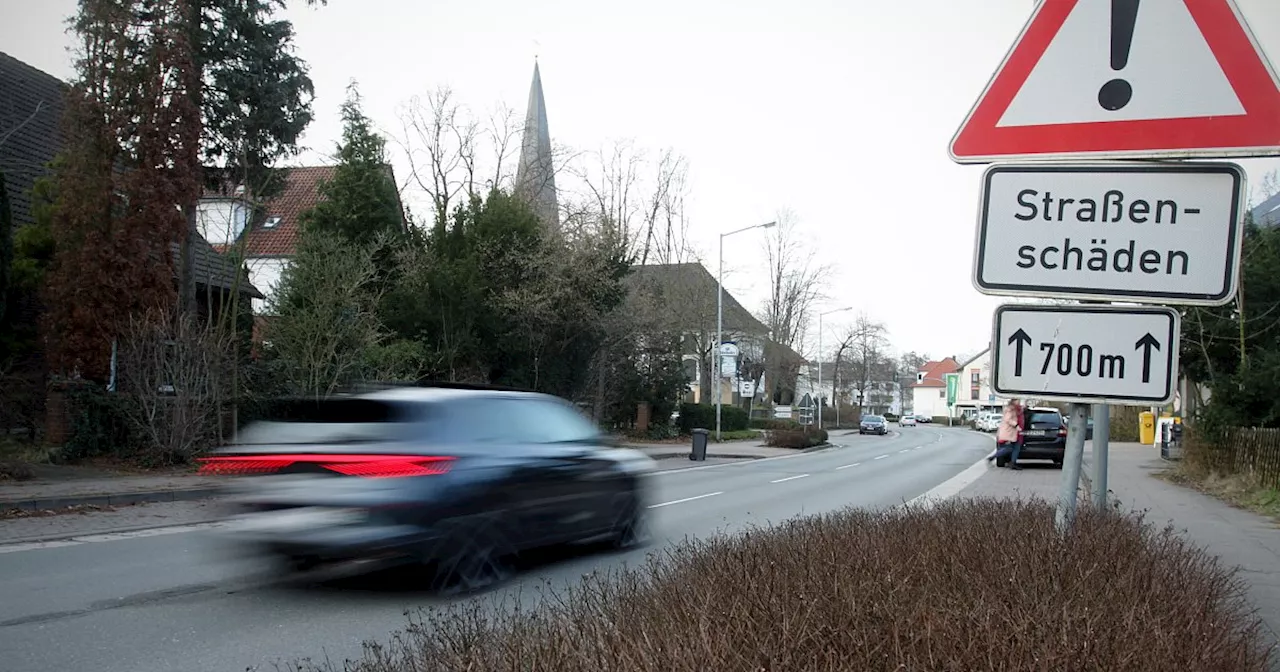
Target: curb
point(55, 538)
point(733, 456)
point(119, 499)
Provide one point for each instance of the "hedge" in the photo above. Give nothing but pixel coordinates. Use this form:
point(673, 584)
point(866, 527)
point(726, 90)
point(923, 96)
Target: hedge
point(703, 416)
point(796, 438)
point(955, 587)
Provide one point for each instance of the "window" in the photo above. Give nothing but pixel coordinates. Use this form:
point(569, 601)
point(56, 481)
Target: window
point(545, 421)
point(973, 393)
point(920, 377)
point(271, 223)
point(942, 394)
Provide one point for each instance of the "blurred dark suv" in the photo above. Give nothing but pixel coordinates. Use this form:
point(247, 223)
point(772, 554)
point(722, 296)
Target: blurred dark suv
point(1044, 436)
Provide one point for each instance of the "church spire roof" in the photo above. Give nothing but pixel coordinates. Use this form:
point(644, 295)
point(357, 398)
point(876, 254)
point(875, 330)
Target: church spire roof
point(535, 176)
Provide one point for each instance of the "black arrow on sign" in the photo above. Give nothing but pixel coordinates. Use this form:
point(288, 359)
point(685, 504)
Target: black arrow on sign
point(1019, 339)
point(1147, 343)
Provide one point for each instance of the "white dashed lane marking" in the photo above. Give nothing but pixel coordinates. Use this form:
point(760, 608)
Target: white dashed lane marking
point(789, 478)
point(686, 499)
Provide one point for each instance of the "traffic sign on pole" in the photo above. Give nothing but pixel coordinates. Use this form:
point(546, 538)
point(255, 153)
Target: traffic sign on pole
point(1086, 354)
point(1121, 79)
point(1139, 232)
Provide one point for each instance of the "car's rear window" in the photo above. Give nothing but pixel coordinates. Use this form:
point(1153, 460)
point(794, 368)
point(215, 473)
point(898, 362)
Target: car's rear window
point(872, 418)
point(292, 421)
point(1044, 420)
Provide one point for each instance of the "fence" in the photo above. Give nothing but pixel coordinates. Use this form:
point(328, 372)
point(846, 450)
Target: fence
point(1241, 450)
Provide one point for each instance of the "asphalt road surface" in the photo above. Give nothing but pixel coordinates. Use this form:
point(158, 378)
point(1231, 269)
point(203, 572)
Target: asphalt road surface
point(184, 601)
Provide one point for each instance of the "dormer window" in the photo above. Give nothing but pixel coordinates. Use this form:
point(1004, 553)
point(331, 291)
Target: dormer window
point(271, 223)
point(920, 377)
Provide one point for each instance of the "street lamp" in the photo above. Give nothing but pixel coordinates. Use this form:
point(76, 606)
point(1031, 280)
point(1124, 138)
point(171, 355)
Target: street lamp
point(720, 317)
point(819, 399)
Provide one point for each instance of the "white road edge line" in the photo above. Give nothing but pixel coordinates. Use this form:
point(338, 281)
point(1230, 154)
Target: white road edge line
point(686, 499)
point(952, 486)
point(847, 466)
point(882, 457)
point(905, 450)
point(790, 478)
point(110, 536)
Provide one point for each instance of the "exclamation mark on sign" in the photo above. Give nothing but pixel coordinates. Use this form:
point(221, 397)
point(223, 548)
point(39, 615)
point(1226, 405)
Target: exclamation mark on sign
point(1116, 93)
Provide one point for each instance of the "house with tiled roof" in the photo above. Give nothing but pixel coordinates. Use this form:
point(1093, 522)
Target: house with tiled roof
point(929, 391)
point(681, 299)
point(975, 394)
point(265, 234)
point(30, 138)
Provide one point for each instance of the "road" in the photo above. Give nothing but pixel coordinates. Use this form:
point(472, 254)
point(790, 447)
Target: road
point(184, 601)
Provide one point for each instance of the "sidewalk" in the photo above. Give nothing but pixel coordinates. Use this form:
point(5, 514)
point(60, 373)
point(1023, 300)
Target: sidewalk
point(1239, 538)
point(45, 493)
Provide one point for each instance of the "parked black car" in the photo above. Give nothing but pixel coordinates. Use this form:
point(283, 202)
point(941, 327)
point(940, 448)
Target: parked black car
point(873, 424)
point(1044, 436)
point(463, 480)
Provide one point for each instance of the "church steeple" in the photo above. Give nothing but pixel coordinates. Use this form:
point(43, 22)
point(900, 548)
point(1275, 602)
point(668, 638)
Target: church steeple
point(535, 176)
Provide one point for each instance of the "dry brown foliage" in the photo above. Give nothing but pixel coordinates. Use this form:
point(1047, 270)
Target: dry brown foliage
point(966, 585)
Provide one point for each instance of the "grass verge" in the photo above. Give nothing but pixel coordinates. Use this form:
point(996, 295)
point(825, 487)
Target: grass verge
point(965, 585)
point(1240, 490)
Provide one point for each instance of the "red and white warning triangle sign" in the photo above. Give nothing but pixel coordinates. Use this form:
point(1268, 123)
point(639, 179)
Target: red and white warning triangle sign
point(1127, 79)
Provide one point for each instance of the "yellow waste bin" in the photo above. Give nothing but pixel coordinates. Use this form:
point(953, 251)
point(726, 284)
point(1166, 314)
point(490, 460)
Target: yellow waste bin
point(1147, 428)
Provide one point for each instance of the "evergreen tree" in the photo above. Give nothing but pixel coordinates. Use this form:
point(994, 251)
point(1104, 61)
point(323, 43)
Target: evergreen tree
point(360, 203)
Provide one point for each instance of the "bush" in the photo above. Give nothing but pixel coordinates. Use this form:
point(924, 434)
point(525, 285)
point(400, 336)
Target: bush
point(955, 587)
point(774, 424)
point(889, 417)
point(739, 435)
point(99, 423)
point(703, 416)
point(943, 420)
point(797, 438)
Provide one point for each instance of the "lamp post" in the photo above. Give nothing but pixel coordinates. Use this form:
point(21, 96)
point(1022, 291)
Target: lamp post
point(819, 386)
point(720, 317)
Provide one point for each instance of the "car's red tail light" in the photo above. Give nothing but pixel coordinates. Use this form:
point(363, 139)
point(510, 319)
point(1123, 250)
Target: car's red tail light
point(1062, 431)
point(366, 466)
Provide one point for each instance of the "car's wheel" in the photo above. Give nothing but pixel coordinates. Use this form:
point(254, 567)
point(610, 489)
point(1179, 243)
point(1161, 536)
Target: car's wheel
point(473, 557)
point(631, 527)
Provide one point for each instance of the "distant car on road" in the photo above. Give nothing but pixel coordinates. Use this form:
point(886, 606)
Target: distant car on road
point(907, 421)
point(1044, 436)
point(460, 478)
point(922, 418)
point(873, 424)
point(988, 421)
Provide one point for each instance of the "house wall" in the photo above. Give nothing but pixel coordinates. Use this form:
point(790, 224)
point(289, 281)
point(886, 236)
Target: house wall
point(931, 401)
point(973, 398)
point(265, 273)
point(221, 220)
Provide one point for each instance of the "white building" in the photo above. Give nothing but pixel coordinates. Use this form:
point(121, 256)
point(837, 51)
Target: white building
point(929, 391)
point(975, 394)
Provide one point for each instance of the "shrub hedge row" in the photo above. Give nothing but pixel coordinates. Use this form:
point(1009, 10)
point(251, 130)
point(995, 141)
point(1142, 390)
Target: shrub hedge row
point(703, 416)
point(955, 587)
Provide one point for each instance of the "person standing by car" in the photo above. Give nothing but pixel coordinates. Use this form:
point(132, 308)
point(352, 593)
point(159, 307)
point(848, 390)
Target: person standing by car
point(1009, 435)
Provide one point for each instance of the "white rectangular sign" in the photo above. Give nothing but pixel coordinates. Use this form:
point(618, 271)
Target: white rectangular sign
point(1086, 354)
point(1145, 233)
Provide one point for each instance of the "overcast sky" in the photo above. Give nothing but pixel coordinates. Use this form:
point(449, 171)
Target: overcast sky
point(839, 111)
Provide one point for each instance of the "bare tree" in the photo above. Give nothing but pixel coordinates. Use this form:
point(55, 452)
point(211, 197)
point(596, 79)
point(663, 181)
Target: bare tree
point(439, 142)
point(641, 200)
point(175, 372)
point(795, 282)
point(868, 342)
